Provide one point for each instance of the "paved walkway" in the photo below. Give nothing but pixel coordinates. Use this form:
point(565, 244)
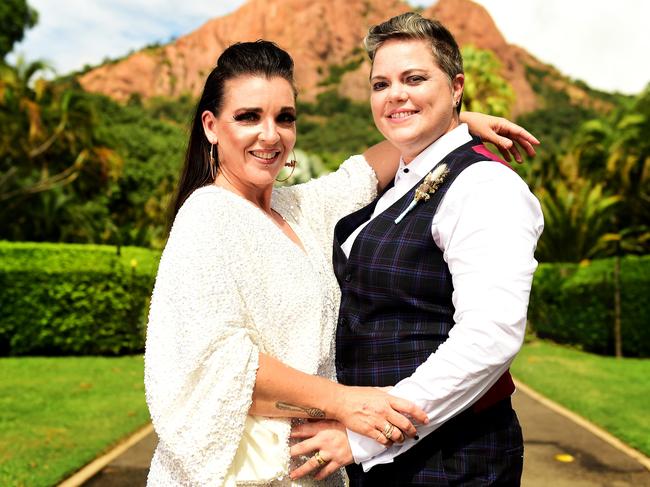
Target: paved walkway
point(595, 462)
point(546, 433)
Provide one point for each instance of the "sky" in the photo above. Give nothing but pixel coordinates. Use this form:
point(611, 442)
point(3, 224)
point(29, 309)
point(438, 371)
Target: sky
point(602, 42)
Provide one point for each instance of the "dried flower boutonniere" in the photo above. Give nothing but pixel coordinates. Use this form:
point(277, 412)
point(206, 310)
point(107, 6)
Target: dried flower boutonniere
point(429, 186)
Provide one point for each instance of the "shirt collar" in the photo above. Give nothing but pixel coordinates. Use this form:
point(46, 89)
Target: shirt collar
point(427, 159)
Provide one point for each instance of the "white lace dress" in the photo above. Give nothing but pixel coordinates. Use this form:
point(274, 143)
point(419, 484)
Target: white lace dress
point(230, 285)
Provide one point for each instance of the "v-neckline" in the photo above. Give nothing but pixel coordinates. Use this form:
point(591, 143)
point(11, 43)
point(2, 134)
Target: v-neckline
point(300, 247)
point(299, 243)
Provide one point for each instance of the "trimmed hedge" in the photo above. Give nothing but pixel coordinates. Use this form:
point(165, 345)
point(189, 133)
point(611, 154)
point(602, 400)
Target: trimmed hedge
point(68, 299)
point(574, 303)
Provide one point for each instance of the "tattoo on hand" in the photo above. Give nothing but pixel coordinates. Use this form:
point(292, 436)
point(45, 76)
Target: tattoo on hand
point(311, 412)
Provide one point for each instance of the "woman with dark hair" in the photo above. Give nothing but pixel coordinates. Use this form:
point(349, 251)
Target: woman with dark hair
point(241, 326)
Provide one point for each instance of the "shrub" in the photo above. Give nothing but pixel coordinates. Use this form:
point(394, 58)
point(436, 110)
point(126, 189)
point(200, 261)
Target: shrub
point(66, 299)
point(574, 303)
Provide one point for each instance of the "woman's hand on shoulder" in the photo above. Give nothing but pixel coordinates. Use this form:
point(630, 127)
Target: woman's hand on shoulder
point(501, 132)
point(370, 410)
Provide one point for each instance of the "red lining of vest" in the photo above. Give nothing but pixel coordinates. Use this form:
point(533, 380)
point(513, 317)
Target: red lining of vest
point(484, 151)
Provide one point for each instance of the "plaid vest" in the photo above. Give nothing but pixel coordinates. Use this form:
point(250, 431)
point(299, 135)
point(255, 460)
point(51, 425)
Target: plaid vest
point(396, 307)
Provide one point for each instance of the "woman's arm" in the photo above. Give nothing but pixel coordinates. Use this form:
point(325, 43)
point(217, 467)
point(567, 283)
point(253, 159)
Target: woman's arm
point(282, 391)
point(504, 134)
point(384, 160)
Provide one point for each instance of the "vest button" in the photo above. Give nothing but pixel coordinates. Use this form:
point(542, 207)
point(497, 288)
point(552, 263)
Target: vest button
point(343, 322)
point(348, 277)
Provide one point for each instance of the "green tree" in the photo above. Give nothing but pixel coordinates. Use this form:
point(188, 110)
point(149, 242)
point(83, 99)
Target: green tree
point(16, 16)
point(485, 89)
point(577, 221)
point(594, 183)
point(152, 152)
point(615, 151)
point(333, 127)
point(47, 134)
point(47, 144)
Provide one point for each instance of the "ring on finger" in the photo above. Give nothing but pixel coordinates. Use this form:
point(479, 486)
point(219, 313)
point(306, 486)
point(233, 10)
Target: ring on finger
point(380, 436)
point(400, 435)
point(321, 461)
point(388, 430)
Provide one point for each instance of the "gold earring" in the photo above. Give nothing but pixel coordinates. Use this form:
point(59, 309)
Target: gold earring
point(292, 164)
point(213, 174)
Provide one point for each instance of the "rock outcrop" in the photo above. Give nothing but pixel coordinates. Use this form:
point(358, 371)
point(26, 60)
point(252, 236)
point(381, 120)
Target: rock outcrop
point(319, 34)
point(471, 24)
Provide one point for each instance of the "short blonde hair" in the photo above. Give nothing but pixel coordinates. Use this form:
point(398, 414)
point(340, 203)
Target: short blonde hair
point(412, 25)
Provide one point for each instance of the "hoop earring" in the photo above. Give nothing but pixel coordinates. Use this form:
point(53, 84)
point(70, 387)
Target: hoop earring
point(213, 172)
point(292, 164)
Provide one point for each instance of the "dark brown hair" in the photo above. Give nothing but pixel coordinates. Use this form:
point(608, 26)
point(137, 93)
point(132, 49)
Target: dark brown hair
point(259, 58)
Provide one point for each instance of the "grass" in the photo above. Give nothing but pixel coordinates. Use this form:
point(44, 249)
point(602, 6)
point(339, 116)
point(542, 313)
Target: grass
point(612, 393)
point(57, 414)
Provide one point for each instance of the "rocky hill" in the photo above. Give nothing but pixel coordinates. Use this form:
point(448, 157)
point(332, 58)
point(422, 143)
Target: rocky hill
point(323, 36)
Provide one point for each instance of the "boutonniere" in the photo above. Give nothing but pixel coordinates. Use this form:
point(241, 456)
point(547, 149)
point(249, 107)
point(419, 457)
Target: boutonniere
point(431, 183)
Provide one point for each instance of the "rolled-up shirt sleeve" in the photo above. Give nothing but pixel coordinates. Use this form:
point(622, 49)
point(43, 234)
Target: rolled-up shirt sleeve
point(487, 226)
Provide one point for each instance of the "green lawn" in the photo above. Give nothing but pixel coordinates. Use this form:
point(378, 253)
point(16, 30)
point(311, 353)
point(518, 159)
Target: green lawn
point(612, 393)
point(57, 414)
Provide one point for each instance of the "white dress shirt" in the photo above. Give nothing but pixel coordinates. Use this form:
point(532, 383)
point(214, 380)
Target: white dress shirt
point(487, 226)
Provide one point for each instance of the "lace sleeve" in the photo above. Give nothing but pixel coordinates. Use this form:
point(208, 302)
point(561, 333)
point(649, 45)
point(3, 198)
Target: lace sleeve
point(201, 358)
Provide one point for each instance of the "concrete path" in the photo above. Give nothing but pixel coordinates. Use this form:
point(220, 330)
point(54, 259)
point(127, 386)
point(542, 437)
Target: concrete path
point(547, 434)
point(595, 462)
point(129, 469)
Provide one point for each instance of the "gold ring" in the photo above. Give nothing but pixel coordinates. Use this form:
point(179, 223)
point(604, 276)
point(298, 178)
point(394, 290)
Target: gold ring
point(388, 430)
point(319, 459)
point(379, 437)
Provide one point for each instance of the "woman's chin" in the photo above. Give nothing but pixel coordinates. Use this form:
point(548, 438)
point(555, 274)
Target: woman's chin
point(265, 182)
point(402, 136)
point(405, 142)
point(261, 179)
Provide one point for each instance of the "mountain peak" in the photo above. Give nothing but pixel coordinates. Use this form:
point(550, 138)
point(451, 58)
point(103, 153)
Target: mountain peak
point(319, 34)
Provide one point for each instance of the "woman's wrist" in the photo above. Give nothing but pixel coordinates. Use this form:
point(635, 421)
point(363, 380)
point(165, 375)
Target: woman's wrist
point(333, 396)
point(324, 404)
point(473, 121)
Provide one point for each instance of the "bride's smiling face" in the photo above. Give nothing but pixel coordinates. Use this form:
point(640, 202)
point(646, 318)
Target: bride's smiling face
point(255, 130)
point(412, 99)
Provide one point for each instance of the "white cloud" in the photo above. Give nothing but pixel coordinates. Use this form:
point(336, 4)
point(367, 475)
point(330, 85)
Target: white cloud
point(602, 42)
point(72, 33)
